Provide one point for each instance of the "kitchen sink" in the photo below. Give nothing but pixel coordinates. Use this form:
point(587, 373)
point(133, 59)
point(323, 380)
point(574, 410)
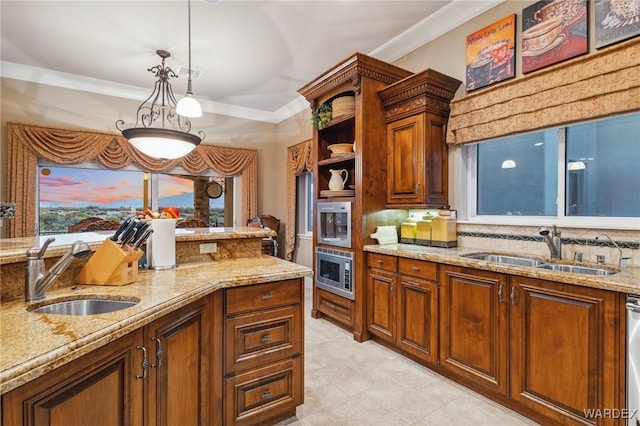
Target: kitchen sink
point(576, 269)
point(81, 307)
point(502, 258)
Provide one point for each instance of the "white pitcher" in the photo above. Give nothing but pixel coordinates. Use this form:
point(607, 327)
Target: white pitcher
point(336, 183)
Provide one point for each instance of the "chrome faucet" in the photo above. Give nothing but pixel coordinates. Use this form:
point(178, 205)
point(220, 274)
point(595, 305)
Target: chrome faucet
point(37, 281)
point(622, 262)
point(553, 241)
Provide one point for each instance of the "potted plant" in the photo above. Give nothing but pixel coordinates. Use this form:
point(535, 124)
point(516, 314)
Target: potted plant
point(321, 116)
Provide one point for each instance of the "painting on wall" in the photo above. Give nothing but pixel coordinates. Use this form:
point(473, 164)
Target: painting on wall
point(616, 20)
point(553, 31)
point(491, 53)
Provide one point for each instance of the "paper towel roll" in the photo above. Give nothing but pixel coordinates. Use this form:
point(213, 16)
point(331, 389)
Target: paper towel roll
point(161, 246)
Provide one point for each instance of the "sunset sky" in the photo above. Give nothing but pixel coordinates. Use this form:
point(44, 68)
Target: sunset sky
point(69, 186)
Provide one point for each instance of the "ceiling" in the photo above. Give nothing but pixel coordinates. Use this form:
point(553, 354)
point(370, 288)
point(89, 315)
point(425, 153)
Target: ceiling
point(253, 55)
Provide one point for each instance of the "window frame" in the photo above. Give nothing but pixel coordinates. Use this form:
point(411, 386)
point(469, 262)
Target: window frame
point(468, 196)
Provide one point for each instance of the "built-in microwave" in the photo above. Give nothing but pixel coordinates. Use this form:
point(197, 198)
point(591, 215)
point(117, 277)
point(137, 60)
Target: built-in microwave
point(334, 271)
point(334, 223)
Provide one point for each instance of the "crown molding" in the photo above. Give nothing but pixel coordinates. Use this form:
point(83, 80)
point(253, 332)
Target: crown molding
point(446, 19)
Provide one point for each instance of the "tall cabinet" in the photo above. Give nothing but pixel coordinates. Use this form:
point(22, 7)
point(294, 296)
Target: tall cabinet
point(362, 77)
point(416, 113)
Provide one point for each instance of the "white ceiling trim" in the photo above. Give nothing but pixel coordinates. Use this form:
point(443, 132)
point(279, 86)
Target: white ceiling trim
point(449, 17)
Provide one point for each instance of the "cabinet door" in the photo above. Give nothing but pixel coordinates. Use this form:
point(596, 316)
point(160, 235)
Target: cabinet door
point(436, 173)
point(563, 341)
point(381, 310)
point(178, 385)
point(100, 388)
point(473, 334)
point(405, 161)
point(418, 317)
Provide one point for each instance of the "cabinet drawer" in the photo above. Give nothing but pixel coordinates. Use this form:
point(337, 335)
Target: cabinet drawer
point(260, 296)
point(259, 395)
point(418, 268)
point(336, 307)
point(382, 261)
point(262, 337)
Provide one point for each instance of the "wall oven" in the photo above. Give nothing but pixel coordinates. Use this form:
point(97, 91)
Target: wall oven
point(334, 269)
point(334, 223)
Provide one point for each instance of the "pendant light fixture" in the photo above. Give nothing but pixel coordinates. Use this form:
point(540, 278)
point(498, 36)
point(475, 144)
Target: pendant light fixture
point(160, 130)
point(188, 105)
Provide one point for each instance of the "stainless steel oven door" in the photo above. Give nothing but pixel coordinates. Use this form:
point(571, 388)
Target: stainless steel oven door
point(333, 271)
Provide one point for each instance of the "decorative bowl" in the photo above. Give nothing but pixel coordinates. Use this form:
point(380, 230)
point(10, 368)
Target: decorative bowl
point(341, 148)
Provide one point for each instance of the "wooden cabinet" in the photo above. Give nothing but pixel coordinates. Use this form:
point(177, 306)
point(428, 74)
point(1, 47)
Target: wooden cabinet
point(563, 341)
point(360, 76)
point(263, 346)
point(474, 326)
point(548, 347)
point(158, 375)
point(416, 111)
point(101, 387)
point(402, 304)
point(178, 383)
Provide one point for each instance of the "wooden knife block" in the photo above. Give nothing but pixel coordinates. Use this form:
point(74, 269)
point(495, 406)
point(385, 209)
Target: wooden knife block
point(111, 264)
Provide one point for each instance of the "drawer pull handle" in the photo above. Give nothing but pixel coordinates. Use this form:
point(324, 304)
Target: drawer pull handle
point(267, 297)
point(380, 261)
point(266, 394)
point(266, 338)
point(332, 306)
point(415, 268)
point(158, 353)
point(144, 364)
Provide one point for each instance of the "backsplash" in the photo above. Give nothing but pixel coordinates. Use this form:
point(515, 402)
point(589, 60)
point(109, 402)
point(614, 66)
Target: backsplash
point(525, 239)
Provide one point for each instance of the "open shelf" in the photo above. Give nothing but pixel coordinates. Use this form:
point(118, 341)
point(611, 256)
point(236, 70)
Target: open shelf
point(337, 159)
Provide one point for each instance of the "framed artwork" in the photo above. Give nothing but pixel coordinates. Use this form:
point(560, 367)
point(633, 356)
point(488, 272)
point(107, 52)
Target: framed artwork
point(616, 20)
point(553, 31)
point(491, 53)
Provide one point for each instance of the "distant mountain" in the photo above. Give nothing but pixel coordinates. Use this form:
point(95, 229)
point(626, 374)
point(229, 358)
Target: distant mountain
point(178, 201)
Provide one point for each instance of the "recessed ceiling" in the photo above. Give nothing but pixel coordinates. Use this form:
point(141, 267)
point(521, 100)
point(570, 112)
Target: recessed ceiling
point(253, 55)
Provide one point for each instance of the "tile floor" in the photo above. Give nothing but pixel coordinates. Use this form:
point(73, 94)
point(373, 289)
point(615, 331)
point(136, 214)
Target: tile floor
point(350, 383)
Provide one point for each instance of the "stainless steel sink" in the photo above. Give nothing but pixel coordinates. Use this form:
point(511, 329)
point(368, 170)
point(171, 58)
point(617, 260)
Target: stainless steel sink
point(88, 306)
point(501, 258)
point(576, 269)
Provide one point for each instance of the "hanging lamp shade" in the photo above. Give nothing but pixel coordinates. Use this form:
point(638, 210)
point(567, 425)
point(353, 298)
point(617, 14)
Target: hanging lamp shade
point(160, 132)
point(188, 106)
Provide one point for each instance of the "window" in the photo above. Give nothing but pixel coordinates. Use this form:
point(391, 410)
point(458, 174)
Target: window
point(69, 194)
point(571, 175)
point(305, 203)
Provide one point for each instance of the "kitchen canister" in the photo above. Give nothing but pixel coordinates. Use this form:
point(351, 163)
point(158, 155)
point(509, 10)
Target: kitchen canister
point(161, 246)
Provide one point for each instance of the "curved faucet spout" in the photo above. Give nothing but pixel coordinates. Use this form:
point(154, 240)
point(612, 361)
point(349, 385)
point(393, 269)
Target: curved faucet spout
point(38, 281)
point(553, 241)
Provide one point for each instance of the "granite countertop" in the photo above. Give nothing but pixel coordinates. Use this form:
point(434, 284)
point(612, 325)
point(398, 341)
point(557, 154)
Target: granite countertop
point(33, 344)
point(14, 250)
point(626, 281)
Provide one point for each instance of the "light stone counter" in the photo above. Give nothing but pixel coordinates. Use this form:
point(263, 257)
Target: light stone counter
point(33, 344)
point(14, 250)
point(626, 281)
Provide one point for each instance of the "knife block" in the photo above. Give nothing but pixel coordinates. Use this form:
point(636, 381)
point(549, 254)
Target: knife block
point(111, 264)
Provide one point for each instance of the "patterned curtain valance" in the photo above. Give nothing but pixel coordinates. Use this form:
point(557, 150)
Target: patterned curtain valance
point(604, 83)
point(26, 144)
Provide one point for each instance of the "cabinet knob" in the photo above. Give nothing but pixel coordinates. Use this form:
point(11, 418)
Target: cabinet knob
point(266, 338)
point(267, 297)
point(266, 394)
point(415, 268)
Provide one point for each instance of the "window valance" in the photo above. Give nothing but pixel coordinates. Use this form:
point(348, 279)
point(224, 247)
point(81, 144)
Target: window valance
point(604, 83)
point(26, 144)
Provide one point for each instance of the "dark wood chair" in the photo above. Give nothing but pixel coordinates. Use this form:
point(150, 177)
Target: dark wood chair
point(102, 225)
point(270, 244)
point(80, 226)
point(192, 222)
